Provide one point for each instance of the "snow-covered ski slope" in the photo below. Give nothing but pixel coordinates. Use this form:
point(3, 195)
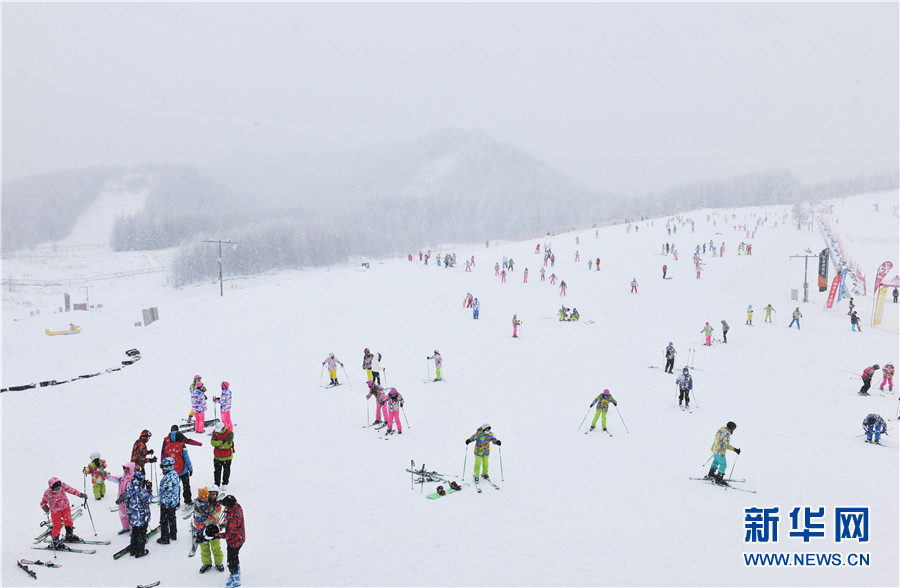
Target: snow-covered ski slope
point(329, 504)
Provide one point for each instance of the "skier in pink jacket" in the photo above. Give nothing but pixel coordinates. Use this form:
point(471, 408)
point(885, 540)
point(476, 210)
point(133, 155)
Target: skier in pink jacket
point(123, 480)
point(57, 505)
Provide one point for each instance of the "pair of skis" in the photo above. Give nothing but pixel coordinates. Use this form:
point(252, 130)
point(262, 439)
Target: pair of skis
point(24, 563)
point(728, 486)
point(125, 550)
point(488, 480)
point(46, 533)
point(604, 430)
point(65, 547)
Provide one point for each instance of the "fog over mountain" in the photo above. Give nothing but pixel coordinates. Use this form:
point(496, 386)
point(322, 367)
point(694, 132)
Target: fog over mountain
point(291, 211)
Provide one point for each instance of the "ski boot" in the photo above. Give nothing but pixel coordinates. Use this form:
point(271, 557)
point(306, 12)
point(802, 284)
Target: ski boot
point(604, 428)
point(711, 474)
point(162, 541)
point(205, 568)
point(399, 432)
point(58, 544)
point(485, 476)
point(123, 531)
point(220, 568)
point(593, 427)
point(720, 480)
point(71, 536)
point(142, 553)
point(237, 578)
point(230, 581)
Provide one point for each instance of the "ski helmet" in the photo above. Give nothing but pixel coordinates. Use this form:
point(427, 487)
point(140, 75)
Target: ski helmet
point(670, 342)
point(605, 393)
point(731, 426)
point(369, 383)
point(197, 378)
point(394, 393)
point(95, 455)
point(229, 501)
point(211, 531)
point(366, 350)
point(876, 366)
point(685, 370)
point(436, 352)
point(331, 355)
point(485, 427)
point(870, 420)
point(168, 462)
point(146, 433)
point(225, 385)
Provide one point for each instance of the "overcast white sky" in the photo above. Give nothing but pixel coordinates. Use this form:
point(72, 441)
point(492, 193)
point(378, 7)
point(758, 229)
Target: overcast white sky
point(624, 97)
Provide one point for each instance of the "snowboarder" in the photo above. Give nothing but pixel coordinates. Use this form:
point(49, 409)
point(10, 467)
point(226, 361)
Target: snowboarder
point(56, 504)
point(602, 401)
point(685, 385)
point(769, 310)
point(393, 405)
point(377, 369)
point(198, 406)
point(378, 392)
point(562, 288)
point(367, 363)
point(169, 490)
point(224, 401)
point(867, 375)
point(234, 538)
point(137, 501)
point(719, 446)
point(515, 324)
point(874, 424)
point(725, 328)
point(665, 268)
point(223, 453)
point(796, 316)
point(476, 309)
point(888, 372)
point(707, 330)
point(749, 315)
point(174, 446)
point(670, 358)
point(483, 439)
point(332, 362)
point(634, 286)
point(139, 451)
point(97, 471)
point(438, 362)
point(206, 530)
point(854, 322)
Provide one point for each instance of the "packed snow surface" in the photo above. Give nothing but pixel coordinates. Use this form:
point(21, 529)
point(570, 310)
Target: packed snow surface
point(328, 502)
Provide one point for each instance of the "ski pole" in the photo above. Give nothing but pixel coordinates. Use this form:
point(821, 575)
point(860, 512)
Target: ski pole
point(428, 369)
point(367, 413)
point(500, 454)
point(623, 420)
point(707, 461)
point(697, 404)
point(346, 375)
point(731, 475)
point(321, 373)
point(52, 543)
point(585, 416)
point(384, 373)
point(463, 474)
point(404, 417)
point(90, 516)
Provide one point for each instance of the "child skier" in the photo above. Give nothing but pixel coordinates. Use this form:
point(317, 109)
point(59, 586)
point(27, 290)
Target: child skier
point(515, 324)
point(438, 362)
point(483, 439)
point(393, 405)
point(225, 404)
point(562, 288)
point(888, 372)
point(367, 363)
point(332, 362)
point(749, 315)
point(685, 385)
point(476, 309)
point(708, 331)
point(169, 490)
point(867, 376)
point(124, 480)
point(874, 424)
point(376, 368)
point(602, 401)
point(56, 504)
point(198, 406)
point(719, 446)
point(725, 328)
point(234, 538)
point(378, 392)
point(670, 358)
point(206, 515)
point(137, 501)
point(634, 286)
point(97, 470)
point(769, 310)
point(796, 316)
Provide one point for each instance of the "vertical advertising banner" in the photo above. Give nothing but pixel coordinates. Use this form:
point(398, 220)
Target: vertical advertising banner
point(823, 270)
point(68, 301)
point(835, 284)
point(882, 271)
point(843, 276)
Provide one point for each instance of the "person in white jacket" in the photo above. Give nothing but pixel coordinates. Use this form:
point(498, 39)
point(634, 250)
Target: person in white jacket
point(376, 369)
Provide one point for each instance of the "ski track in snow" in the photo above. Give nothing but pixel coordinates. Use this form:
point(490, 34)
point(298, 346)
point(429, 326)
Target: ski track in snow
point(328, 504)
